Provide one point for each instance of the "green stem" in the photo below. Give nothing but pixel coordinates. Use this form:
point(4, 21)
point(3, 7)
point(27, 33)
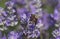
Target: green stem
point(41, 37)
point(47, 37)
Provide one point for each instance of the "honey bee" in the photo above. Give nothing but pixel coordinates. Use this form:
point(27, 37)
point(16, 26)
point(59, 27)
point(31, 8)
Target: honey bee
point(33, 19)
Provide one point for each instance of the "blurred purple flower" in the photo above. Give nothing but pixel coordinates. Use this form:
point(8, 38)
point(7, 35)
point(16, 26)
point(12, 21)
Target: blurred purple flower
point(0, 34)
point(2, 17)
point(4, 14)
point(31, 27)
point(7, 22)
point(35, 33)
point(58, 37)
point(56, 33)
point(13, 35)
point(33, 9)
point(20, 35)
point(4, 37)
point(9, 3)
point(45, 20)
point(0, 20)
point(51, 21)
point(20, 11)
point(23, 14)
point(56, 14)
point(19, 1)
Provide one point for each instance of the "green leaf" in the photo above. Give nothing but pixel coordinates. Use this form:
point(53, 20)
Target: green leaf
point(48, 8)
point(50, 30)
point(2, 3)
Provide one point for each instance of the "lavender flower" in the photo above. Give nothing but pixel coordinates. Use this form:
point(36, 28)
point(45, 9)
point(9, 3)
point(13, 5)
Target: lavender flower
point(4, 14)
point(56, 14)
point(58, 37)
point(1, 16)
point(39, 24)
point(11, 12)
point(4, 37)
point(12, 35)
point(23, 14)
point(33, 8)
point(35, 33)
point(31, 27)
point(7, 22)
point(51, 21)
point(0, 34)
point(9, 4)
point(45, 19)
point(19, 1)
point(56, 32)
